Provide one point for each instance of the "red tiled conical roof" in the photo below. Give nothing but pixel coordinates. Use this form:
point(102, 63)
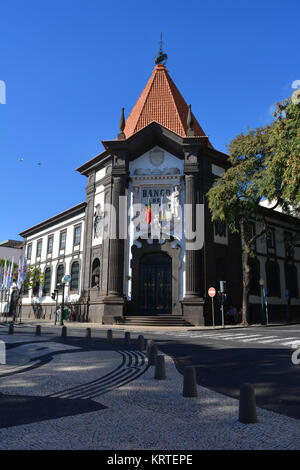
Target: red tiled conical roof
point(161, 101)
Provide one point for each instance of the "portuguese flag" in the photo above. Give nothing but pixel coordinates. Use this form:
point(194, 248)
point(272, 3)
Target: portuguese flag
point(148, 212)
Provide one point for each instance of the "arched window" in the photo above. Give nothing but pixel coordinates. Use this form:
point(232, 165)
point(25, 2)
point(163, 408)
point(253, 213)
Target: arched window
point(221, 271)
point(59, 274)
point(254, 276)
point(273, 278)
point(95, 280)
point(74, 276)
point(291, 280)
point(47, 281)
point(36, 289)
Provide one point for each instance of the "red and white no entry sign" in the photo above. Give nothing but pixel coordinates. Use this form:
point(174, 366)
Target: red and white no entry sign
point(211, 292)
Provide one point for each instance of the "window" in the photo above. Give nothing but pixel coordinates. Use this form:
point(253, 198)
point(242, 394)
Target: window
point(271, 239)
point(273, 278)
point(95, 273)
point(289, 245)
point(47, 281)
point(77, 232)
point(74, 276)
point(36, 289)
point(254, 276)
point(62, 241)
point(220, 228)
point(39, 248)
point(50, 245)
point(221, 271)
point(291, 280)
point(59, 274)
point(29, 251)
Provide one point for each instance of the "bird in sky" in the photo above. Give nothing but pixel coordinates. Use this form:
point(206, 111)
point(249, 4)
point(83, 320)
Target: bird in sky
point(20, 160)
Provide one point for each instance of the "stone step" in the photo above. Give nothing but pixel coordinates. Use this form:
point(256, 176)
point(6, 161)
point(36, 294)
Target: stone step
point(157, 320)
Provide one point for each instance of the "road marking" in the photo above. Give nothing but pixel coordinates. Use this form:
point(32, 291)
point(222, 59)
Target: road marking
point(252, 338)
point(291, 343)
point(270, 339)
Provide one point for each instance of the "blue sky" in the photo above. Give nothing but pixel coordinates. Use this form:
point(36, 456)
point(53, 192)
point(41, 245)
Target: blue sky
point(70, 66)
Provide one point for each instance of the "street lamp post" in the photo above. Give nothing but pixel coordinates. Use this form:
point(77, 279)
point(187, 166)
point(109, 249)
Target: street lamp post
point(66, 278)
point(262, 298)
point(63, 283)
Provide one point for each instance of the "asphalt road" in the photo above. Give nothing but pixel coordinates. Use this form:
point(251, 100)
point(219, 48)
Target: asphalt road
point(224, 359)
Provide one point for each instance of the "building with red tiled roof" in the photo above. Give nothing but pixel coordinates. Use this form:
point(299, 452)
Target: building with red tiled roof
point(129, 267)
point(160, 101)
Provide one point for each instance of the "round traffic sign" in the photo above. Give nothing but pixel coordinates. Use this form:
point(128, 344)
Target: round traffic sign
point(211, 292)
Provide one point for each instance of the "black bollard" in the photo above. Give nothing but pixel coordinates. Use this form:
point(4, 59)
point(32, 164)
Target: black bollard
point(152, 355)
point(160, 368)
point(127, 338)
point(141, 343)
point(88, 333)
point(64, 331)
point(11, 329)
point(38, 330)
point(190, 382)
point(247, 406)
point(109, 336)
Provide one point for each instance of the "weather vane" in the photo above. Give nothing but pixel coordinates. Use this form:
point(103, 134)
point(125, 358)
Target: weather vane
point(160, 58)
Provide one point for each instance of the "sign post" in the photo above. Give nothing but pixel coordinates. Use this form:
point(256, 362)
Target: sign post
point(212, 293)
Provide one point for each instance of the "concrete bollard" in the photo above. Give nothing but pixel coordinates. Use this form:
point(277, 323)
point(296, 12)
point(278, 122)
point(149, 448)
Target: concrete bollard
point(109, 336)
point(127, 338)
point(11, 329)
point(152, 355)
point(64, 331)
point(38, 330)
point(148, 346)
point(141, 343)
point(247, 405)
point(160, 368)
point(88, 333)
point(189, 382)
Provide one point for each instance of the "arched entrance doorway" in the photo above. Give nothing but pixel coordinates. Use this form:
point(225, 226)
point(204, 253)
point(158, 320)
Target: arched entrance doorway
point(155, 284)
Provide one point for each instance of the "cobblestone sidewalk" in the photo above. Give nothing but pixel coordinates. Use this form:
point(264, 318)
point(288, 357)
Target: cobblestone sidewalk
point(67, 397)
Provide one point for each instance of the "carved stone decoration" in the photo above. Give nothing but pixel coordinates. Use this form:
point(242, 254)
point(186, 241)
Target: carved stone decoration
point(156, 157)
point(175, 202)
point(156, 171)
point(98, 222)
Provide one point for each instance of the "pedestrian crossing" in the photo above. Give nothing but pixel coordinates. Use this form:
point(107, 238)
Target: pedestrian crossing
point(244, 338)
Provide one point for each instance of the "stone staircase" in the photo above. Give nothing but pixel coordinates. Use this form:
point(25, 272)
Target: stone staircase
point(155, 320)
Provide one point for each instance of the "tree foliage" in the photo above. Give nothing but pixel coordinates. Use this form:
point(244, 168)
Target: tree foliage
point(264, 162)
point(282, 174)
point(34, 277)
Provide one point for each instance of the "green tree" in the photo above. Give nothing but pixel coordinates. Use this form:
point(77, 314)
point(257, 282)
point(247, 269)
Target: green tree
point(235, 197)
point(282, 173)
point(34, 277)
point(15, 269)
point(265, 162)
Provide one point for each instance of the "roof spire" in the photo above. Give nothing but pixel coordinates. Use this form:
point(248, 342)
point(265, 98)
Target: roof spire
point(160, 58)
point(190, 122)
point(121, 135)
